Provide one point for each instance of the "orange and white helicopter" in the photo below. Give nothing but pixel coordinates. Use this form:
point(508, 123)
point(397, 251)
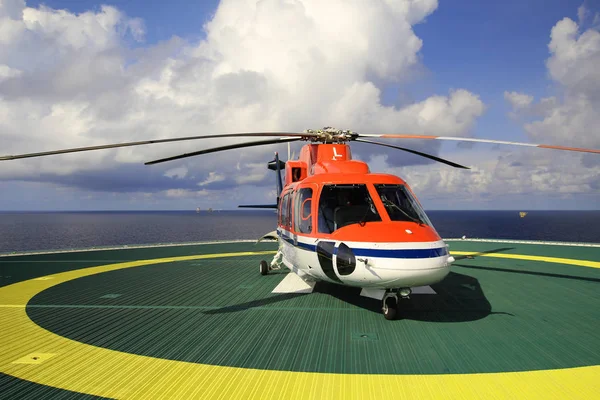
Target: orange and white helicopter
point(340, 223)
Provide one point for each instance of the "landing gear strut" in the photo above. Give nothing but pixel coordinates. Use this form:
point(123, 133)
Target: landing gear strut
point(390, 302)
point(265, 267)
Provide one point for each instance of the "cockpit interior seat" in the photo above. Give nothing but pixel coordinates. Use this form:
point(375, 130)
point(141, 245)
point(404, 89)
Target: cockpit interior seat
point(347, 215)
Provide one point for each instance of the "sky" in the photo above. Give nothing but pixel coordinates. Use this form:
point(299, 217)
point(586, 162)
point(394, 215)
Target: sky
point(82, 73)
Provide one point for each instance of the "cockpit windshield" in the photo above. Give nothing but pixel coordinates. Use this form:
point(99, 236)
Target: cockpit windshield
point(341, 205)
point(401, 205)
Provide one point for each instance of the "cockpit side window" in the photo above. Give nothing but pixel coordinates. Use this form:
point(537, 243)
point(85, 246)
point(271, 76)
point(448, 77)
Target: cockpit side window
point(289, 210)
point(303, 211)
point(401, 205)
point(341, 205)
point(285, 213)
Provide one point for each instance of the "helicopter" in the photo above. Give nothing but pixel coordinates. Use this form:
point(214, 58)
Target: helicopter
point(336, 221)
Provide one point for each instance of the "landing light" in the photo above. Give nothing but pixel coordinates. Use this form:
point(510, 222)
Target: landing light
point(405, 292)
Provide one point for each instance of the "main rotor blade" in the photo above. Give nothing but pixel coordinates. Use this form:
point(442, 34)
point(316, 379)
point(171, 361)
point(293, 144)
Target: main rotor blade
point(144, 142)
point(415, 152)
point(461, 139)
point(228, 147)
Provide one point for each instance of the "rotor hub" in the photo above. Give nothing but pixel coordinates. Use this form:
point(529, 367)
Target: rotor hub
point(330, 135)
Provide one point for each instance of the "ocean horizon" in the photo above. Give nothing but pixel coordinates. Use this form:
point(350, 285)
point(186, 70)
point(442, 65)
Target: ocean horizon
point(56, 230)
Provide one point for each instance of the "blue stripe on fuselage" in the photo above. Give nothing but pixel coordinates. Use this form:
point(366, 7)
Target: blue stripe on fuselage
point(401, 253)
point(380, 253)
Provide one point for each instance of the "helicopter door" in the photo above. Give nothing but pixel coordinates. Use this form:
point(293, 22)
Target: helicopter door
point(285, 223)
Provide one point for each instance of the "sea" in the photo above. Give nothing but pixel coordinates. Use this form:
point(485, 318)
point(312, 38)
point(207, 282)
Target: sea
point(34, 231)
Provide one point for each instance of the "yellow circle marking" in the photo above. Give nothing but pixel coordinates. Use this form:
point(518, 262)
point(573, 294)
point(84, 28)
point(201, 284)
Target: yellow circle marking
point(102, 372)
point(569, 261)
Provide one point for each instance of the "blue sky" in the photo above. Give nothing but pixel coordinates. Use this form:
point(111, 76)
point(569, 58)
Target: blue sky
point(485, 48)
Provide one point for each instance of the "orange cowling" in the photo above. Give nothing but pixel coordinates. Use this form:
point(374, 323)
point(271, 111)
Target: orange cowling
point(341, 167)
point(331, 158)
point(314, 153)
point(388, 232)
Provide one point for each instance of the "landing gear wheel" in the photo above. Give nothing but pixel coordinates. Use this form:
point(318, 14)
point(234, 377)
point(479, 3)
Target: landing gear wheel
point(264, 267)
point(390, 308)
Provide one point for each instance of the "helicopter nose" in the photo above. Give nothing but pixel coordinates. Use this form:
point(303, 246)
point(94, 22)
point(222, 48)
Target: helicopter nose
point(345, 260)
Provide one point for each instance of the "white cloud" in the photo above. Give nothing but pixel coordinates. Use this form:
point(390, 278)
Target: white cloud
point(518, 101)
point(253, 173)
point(498, 175)
point(573, 65)
point(191, 194)
point(71, 80)
point(178, 173)
point(8, 72)
point(569, 119)
point(575, 57)
point(212, 178)
point(177, 193)
point(451, 115)
point(582, 13)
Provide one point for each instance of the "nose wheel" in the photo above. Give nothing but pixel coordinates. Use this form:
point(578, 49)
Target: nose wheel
point(390, 301)
point(390, 306)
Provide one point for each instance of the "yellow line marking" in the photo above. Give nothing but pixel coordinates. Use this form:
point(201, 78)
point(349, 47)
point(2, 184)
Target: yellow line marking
point(569, 261)
point(102, 372)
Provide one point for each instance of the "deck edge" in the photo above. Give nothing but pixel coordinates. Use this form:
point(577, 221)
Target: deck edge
point(122, 247)
point(154, 245)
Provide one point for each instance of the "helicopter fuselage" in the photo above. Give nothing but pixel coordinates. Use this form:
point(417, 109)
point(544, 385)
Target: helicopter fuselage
point(377, 265)
point(342, 224)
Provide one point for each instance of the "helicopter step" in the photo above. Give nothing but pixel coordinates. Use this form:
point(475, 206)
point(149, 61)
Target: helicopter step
point(378, 294)
point(293, 283)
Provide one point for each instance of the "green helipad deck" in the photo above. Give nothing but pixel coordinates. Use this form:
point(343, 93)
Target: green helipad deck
point(513, 320)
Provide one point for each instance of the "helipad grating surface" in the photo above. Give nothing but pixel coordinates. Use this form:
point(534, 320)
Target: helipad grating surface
point(368, 336)
point(489, 315)
point(110, 296)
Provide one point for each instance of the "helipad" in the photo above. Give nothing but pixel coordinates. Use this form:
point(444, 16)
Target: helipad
point(513, 320)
